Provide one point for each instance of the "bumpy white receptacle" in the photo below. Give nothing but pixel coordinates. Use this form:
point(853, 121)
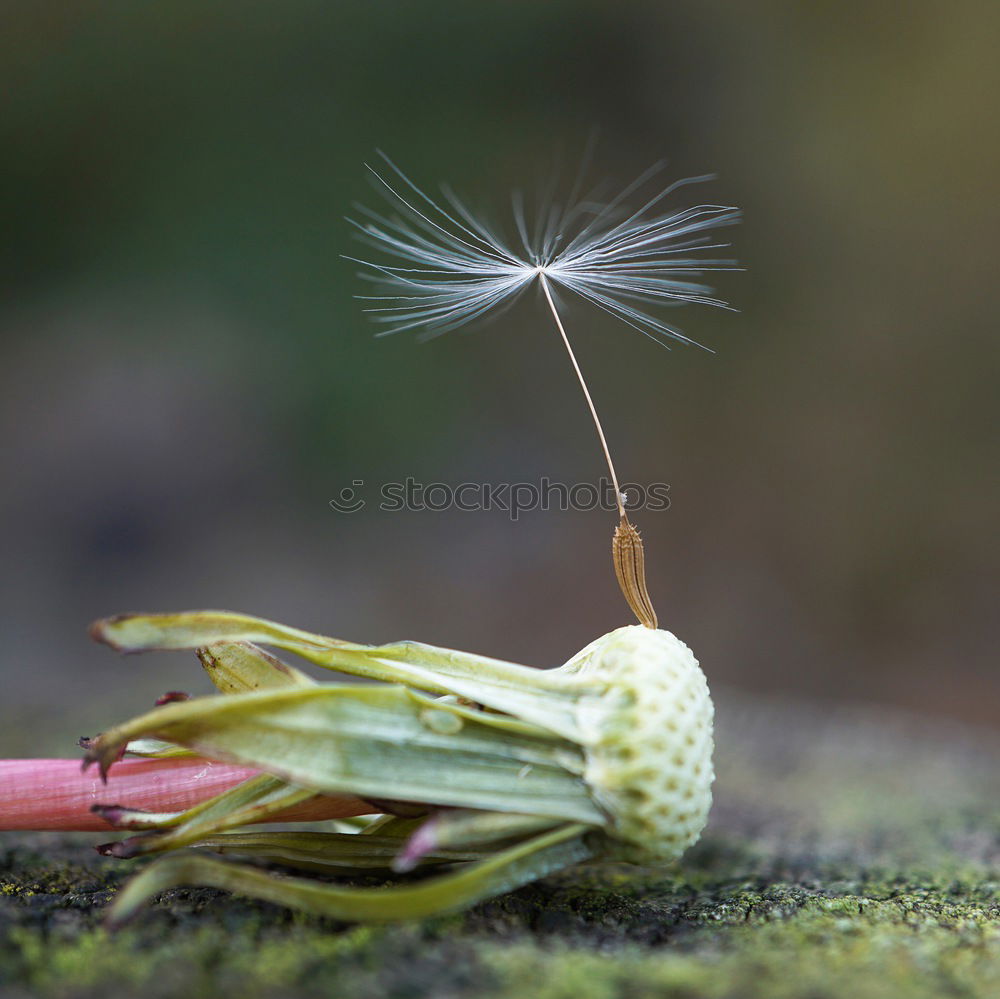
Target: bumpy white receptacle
point(647, 737)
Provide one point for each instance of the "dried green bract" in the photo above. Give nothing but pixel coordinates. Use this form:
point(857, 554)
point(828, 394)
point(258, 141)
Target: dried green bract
point(484, 773)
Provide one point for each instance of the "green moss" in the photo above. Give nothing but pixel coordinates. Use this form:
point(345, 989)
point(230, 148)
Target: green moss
point(603, 937)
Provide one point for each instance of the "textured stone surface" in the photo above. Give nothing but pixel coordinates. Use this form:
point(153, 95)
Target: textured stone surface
point(847, 854)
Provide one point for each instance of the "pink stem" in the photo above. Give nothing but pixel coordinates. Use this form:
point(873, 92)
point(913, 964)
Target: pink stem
point(56, 794)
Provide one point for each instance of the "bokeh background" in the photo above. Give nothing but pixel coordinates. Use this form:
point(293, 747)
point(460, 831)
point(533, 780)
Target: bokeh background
point(187, 382)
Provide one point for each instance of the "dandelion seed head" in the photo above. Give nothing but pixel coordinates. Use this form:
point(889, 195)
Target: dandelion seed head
point(445, 267)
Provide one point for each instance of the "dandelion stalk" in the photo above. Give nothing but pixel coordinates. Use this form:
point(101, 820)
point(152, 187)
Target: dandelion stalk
point(54, 794)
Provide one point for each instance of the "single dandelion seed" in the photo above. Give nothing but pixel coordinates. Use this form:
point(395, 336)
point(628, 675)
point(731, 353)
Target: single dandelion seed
point(450, 268)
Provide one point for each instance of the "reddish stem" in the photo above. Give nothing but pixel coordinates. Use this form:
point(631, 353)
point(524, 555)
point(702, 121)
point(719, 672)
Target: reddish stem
point(56, 794)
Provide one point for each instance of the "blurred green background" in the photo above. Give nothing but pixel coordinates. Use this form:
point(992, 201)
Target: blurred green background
point(187, 381)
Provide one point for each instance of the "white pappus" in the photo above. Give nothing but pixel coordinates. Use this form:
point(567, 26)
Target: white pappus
point(455, 268)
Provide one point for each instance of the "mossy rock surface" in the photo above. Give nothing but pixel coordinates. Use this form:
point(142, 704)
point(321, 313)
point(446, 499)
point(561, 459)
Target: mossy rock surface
point(848, 855)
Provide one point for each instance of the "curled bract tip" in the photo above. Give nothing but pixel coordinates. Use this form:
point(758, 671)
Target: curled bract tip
point(95, 755)
point(101, 630)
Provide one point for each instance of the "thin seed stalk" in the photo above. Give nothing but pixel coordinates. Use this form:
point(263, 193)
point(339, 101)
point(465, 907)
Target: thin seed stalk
point(627, 551)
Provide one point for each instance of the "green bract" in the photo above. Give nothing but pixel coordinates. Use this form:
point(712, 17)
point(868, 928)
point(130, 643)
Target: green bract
point(487, 773)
